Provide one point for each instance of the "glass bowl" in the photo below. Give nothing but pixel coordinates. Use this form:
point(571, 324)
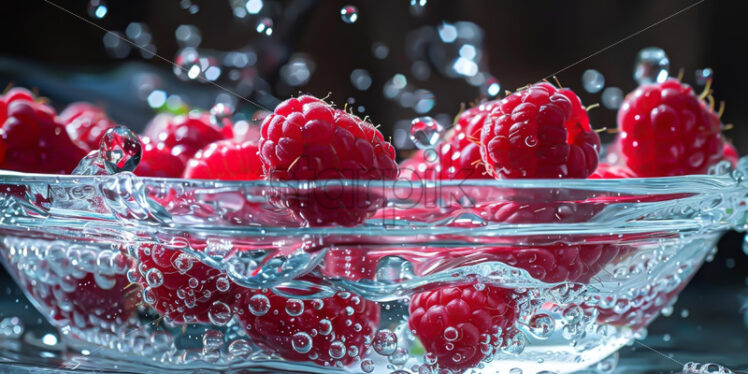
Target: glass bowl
point(342, 275)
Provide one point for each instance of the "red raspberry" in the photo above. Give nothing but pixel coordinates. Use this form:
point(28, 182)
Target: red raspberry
point(460, 324)
point(666, 130)
point(33, 139)
point(730, 154)
point(326, 331)
point(86, 124)
point(539, 132)
point(180, 287)
point(187, 134)
point(86, 304)
point(307, 139)
point(158, 161)
point(226, 160)
point(607, 171)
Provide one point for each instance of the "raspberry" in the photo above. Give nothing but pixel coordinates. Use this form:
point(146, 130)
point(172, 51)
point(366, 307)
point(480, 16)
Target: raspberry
point(462, 325)
point(180, 287)
point(327, 331)
point(86, 124)
point(607, 171)
point(539, 132)
point(187, 134)
point(307, 139)
point(226, 160)
point(730, 154)
point(666, 131)
point(158, 161)
point(33, 138)
point(86, 303)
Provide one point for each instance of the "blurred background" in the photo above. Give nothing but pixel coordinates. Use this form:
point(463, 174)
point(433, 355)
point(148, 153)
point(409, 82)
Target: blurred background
point(396, 60)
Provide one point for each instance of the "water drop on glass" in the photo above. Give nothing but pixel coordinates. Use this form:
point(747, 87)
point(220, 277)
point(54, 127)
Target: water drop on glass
point(301, 342)
point(593, 81)
point(259, 305)
point(97, 9)
point(349, 14)
point(652, 65)
point(541, 326)
point(294, 307)
point(121, 150)
point(265, 26)
point(425, 132)
point(612, 97)
point(385, 342)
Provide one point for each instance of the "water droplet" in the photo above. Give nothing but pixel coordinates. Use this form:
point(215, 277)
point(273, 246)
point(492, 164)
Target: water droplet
point(115, 44)
point(220, 114)
point(97, 9)
point(384, 342)
point(349, 14)
point(212, 340)
point(425, 132)
point(298, 70)
point(120, 149)
point(301, 342)
point(652, 65)
point(380, 50)
point(515, 342)
point(593, 81)
point(265, 26)
point(612, 97)
point(684, 313)
point(259, 305)
point(294, 307)
point(188, 36)
point(219, 313)
point(491, 87)
point(361, 79)
point(154, 277)
point(240, 349)
point(399, 357)
point(337, 350)
point(541, 326)
point(367, 365)
point(701, 76)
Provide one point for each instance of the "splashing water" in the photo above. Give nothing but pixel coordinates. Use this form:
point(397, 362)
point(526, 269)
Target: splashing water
point(652, 65)
point(425, 132)
point(120, 149)
point(593, 81)
point(349, 14)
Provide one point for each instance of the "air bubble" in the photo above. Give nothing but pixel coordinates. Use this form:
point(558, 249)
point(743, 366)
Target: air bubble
point(349, 14)
point(541, 326)
point(593, 81)
point(325, 326)
point(367, 365)
point(337, 350)
point(219, 313)
point(301, 342)
point(399, 356)
point(212, 340)
point(425, 132)
point(240, 349)
point(451, 334)
point(11, 327)
point(385, 342)
point(259, 305)
point(294, 307)
point(154, 277)
point(652, 65)
point(120, 149)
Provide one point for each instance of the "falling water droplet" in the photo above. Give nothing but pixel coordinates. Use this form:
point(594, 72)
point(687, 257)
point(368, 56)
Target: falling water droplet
point(220, 114)
point(593, 81)
point(265, 26)
point(301, 342)
point(652, 65)
point(384, 342)
point(425, 132)
point(97, 9)
point(612, 97)
point(120, 149)
point(491, 87)
point(349, 14)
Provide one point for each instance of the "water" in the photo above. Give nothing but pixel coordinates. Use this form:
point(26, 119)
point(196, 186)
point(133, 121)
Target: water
point(612, 98)
point(361, 79)
point(120, 149)
point(264, 26)
point(652, 65)
point(349, 14)
point(97, 9)
point(701, 76)
point(425, 132)
point(593, 81)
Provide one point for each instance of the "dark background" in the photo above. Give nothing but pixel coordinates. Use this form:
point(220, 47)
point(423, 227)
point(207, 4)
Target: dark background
point(44, 47)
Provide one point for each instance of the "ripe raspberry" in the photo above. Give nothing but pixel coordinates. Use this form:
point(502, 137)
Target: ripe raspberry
point(306, 139)
point(666, 131)
point(187, 134)
point(226, 160)
point(158, 161)
point(462, 325)
point(539, 132)
point(730, 154)
point(33, 139)
point(607, 171)
point(180, 287)
point(325, 331)
point(86, 124)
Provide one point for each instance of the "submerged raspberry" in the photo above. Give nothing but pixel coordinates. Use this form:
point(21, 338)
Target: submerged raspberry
point(539, 132)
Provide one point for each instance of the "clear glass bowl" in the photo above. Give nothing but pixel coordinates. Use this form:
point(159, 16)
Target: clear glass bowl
point(311, 277)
